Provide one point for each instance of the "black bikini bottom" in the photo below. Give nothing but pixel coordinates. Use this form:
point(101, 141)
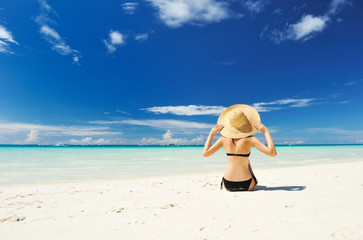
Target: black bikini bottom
point(233, 186)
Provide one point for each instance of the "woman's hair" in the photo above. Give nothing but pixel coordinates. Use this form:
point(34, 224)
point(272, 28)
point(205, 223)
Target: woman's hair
point(233, 142)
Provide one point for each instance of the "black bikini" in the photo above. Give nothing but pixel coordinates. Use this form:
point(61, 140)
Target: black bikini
point(234, 186)
point(239, 155)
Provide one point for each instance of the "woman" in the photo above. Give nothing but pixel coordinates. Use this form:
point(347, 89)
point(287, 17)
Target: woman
point(236, 124)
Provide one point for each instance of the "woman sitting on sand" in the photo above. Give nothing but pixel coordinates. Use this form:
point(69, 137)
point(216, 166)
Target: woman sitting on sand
point(236, 124)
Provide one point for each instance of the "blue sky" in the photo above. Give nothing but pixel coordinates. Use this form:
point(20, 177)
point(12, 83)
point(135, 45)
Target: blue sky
point(161, 71)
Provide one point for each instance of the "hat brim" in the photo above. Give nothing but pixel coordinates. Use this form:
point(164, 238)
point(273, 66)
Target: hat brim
point(230, 131)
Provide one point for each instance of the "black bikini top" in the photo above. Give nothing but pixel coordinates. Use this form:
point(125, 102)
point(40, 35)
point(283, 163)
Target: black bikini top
point(239, 155)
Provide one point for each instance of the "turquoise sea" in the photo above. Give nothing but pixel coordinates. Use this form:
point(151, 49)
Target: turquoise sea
point(30, 164)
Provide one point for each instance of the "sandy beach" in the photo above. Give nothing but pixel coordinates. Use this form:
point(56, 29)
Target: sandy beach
point(311, 202)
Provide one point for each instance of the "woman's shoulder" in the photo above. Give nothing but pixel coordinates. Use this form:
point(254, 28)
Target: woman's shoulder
point(222, 138)
point(250, 138)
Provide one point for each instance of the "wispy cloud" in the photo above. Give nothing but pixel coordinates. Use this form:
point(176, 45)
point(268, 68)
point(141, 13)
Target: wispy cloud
point(289, 141)
point(277, 11)
point(343, 102)
point(88, 141)
point(35, 130)
point(336, 5)
point(255, 6)
point(192, 110)
point(141, 37)
point(283, 103)
point(130, 7)
point(353, 136)
point(49, 32)
point(168, 139)
point(189, 110)
point(176, 13)
point(120, 111)
point(307, 27)
point(51, 35)
point(159, 123)
point(115, 39)
point(351, 83)
point(297, 8)
point(6, 38)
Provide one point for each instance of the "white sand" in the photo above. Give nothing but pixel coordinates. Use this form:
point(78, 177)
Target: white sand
point(314, 202)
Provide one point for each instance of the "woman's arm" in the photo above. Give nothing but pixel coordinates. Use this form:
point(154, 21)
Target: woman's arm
point(270, 148)
point(208, 150)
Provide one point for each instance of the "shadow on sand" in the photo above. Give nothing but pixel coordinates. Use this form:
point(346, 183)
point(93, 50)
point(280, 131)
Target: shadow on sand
point(283, 188)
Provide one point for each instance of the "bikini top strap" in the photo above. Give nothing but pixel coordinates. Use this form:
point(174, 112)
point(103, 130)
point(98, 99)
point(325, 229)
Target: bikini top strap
point(239, 155)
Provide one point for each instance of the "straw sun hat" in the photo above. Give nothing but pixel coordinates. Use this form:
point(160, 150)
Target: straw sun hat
point(238, 121)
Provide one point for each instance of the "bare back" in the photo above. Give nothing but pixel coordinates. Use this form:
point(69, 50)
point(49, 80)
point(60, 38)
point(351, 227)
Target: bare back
point(237, 166)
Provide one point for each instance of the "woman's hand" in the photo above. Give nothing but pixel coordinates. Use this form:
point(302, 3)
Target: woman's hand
point(270, 149)
point(260, 127)
point(216, 129)
point(208, 149)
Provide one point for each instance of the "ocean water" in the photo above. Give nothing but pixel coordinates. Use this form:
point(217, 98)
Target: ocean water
point(30, 164)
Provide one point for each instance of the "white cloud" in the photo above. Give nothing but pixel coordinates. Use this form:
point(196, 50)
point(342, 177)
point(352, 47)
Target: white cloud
point(278, 11)
point(337, 134)
point(336, 5)
point(87, 141)
point(359, 141)
point(120, 111)
point(306, 27)
point(51, 35)
point(192, 110)
point(32, 136)
point(6, 37)
point(141, 37)
point(45, 6)
point(255, 6)
point(63, 49)
point(351, 83)
point(176, 13)
point(110, 47)
point(75, 59)
point(297, 8)
point(339, 131)
point(189, 110)
point(167, 139)
point(114, 40)
point(167, 135)
point(160, 123)
point(130, 7)
point(293, 142)
point(50, 32)
point(288, 102)
point(52, 130)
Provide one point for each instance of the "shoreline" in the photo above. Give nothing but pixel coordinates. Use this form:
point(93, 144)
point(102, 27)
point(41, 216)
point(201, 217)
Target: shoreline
point(95, 180)
point(168, 175)
point(314, 202)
